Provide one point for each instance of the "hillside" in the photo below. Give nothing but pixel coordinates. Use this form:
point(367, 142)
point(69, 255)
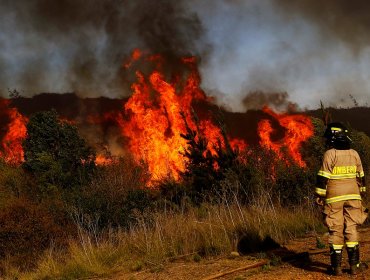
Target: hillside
point(357, 117)
point(243, 125)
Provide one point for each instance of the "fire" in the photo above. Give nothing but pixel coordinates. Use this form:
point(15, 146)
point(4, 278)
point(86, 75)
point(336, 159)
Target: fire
point(103, 160)
point(157, 111)
point(136, 54)
point(15, 133)
point(153, 119)
point(299, 128)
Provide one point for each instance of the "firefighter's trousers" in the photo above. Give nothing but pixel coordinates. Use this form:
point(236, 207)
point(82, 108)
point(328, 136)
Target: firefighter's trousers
point(342, 218)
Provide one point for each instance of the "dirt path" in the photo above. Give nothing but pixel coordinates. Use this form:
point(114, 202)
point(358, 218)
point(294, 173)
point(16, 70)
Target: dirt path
point(298, 260)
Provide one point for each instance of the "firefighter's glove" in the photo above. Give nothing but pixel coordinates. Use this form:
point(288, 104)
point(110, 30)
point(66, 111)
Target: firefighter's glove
point(363, 190)
point(319, 201)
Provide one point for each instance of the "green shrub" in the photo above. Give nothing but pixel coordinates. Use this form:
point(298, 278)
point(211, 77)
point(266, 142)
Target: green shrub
point(14, 182)
point(116, 195)
point(361, 143)
point(55, 154)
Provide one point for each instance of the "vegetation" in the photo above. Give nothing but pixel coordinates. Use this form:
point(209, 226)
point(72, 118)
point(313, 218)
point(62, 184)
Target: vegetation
point(55, 154)
point(61, 217)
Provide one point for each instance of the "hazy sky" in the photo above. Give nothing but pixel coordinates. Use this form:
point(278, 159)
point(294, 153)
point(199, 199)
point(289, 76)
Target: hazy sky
point(313, 50)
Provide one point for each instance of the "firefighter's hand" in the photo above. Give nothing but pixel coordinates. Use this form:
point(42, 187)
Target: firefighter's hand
point(319, 201)
point(363, 191)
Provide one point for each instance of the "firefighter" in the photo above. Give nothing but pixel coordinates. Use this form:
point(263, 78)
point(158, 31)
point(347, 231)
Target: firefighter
point(340, 184)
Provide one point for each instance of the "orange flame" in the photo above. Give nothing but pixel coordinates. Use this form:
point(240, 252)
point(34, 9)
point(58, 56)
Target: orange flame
point(155, 120)
point(298, 129)
point(15, 133)
point(136, 54)
point(103, 160)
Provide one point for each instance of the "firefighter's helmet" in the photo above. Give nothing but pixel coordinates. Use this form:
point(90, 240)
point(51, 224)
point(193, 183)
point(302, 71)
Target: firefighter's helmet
point(337, 136)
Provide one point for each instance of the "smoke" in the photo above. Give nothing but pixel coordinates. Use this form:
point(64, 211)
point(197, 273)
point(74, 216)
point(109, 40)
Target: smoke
point(279, 101)
point(311, 50)
point(76, 45)
point(347, 20)
point(287, 46)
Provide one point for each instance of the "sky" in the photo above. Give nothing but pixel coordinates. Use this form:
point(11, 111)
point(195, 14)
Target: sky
point(251, 52)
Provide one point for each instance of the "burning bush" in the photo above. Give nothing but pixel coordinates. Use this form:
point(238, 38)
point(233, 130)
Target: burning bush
point(15, 131)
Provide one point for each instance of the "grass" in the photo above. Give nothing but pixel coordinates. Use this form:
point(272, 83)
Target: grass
point(199, 232)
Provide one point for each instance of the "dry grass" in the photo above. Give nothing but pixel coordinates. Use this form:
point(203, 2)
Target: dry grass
point(206, 230)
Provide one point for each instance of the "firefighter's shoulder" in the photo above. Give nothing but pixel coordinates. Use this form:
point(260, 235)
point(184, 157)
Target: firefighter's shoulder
point(354, 152)
point(329, 152)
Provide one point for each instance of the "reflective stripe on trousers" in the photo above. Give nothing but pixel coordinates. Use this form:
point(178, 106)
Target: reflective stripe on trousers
point(342, 218)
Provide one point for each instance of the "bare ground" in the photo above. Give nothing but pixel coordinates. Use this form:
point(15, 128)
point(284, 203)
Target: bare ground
point(299, 259)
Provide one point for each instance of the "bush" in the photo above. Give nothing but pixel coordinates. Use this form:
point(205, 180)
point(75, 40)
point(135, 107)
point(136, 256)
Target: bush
point(55, 154)
point(13, 182)
point(27, 229)
point(361, 143)
point(264, 179)
point(116, 195)
point(293, 184)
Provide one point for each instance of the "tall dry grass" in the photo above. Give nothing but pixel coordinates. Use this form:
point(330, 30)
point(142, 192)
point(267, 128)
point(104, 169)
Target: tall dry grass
point(149, 243)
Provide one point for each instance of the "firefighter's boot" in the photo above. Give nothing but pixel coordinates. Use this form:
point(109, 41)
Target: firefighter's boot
point(354, 260)
point(336, 261)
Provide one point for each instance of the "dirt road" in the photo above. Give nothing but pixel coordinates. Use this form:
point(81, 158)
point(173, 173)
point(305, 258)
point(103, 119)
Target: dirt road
point(299, 260)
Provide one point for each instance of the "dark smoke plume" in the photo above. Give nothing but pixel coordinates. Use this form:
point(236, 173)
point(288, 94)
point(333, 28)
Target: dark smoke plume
point(348, 20)
point(277, 100)
point(77, 45)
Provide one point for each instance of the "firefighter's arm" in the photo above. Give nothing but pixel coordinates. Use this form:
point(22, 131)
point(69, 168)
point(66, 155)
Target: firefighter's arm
point(360, 176)
point(321, 186)
point(363, 185)
point(320, 190)
point(322, 178)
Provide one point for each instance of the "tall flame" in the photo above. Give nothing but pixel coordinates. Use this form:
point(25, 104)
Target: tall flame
point(15, 133)
point(157, 111)
point(299, 128)
point(153, 119)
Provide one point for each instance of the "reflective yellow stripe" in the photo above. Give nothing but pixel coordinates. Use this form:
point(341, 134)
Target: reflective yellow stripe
point(336, 129)
point(343, 197)
point(346, 169)
point(351, 244)
point(320, 191)
point(363, 189)
point(343, 176)
point(341, 172)
point(336, 246)
point(324, 174)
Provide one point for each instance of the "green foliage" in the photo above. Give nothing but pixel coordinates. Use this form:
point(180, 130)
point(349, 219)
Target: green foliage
point(117, 195)
point(200, 172)
point(361, 143)
point(15, 183)
point(55, 154)
point(314, 149)
point(293, 184)
point(319, 243)
point(197, 258)
point(203, 169)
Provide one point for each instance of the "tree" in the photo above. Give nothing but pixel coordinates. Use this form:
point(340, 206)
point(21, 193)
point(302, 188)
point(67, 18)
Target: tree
point(205, 170)
point(55, 153)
